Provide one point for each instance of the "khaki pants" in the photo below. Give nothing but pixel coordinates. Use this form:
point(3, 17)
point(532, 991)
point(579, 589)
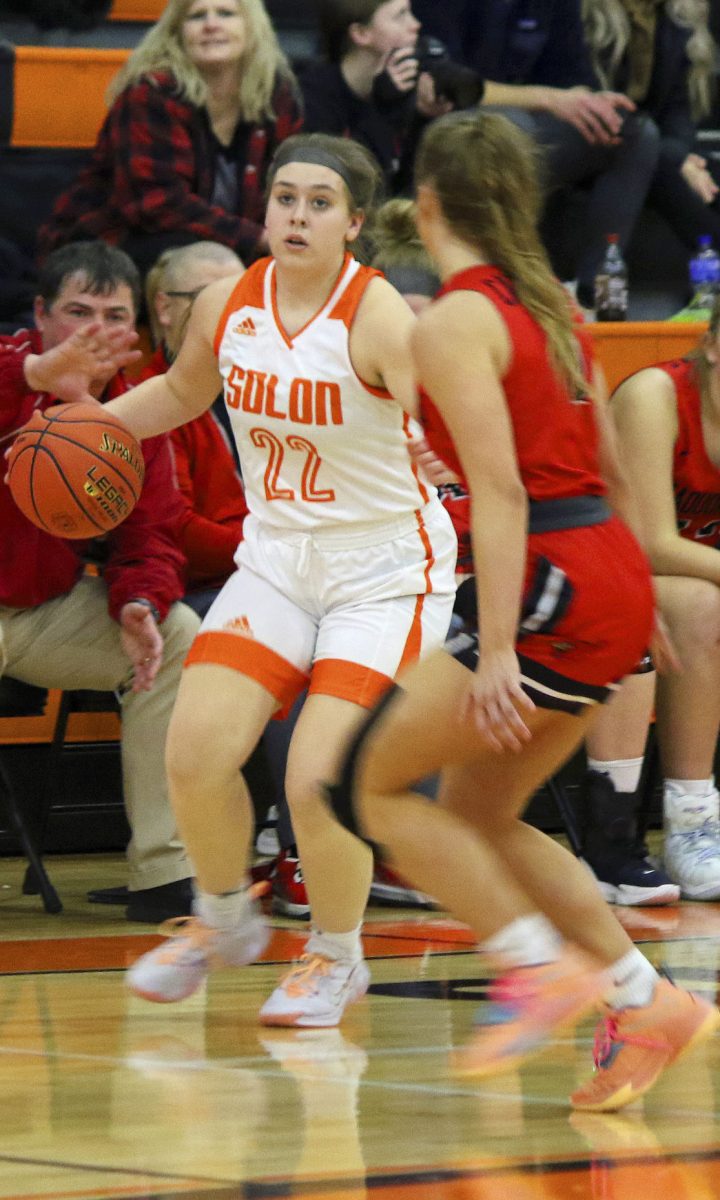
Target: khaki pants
point(72, 642)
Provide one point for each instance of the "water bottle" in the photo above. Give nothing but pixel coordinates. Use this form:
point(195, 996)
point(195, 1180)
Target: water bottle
point(704, 275)
point(611, 284)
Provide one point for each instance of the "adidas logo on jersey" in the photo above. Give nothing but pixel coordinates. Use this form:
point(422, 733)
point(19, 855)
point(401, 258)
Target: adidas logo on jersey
point(247, 327)
point(240, 626)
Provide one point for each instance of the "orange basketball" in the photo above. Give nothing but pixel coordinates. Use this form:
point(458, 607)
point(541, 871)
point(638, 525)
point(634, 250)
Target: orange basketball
point(75, 471)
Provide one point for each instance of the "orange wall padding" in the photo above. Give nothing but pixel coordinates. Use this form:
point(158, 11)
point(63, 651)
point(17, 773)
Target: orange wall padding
point(60, 94)
point(630, 345)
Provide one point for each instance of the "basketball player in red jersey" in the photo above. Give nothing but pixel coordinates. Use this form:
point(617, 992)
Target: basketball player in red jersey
point(668, 420)
point(512, 402)
point(345, 570)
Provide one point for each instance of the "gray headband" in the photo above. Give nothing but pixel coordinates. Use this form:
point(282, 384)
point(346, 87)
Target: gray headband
point(314, 155)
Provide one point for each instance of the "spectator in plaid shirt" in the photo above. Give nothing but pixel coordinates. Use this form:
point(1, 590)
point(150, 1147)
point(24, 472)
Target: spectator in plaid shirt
point(197, 113)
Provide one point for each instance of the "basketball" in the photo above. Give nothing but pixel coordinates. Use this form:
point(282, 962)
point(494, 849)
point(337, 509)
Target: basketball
point(75, 471)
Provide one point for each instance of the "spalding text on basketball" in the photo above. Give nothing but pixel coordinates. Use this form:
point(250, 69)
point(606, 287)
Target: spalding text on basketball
point(110, 445)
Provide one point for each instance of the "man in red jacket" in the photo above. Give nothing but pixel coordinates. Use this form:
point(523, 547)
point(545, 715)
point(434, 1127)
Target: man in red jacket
point(123, 629)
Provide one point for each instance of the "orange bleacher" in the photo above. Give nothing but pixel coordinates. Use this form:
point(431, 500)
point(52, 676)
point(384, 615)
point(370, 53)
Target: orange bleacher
point(136, 10)
point(58, 96)
point(628, 346)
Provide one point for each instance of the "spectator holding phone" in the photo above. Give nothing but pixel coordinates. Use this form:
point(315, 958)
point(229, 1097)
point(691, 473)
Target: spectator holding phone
point(371, 85)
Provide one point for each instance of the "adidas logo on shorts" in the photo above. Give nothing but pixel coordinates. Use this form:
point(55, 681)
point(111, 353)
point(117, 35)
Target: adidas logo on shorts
point(240, 626)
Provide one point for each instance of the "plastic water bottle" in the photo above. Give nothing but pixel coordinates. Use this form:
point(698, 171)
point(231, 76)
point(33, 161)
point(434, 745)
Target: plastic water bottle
point(704, 275)
point(611, 284)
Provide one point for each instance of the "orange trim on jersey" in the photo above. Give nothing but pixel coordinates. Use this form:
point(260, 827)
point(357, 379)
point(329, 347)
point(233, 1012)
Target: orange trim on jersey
point(249, 291)
point(348, 303)
point(424, 494)
point(276, 311)
point(348, 681)
point(427, 545)
point(383, 393)
point(413, 644)
point(278, 676)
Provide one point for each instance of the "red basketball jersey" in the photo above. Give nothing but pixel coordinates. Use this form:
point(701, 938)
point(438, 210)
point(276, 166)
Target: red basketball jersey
point(556, 435)
point(696, 479)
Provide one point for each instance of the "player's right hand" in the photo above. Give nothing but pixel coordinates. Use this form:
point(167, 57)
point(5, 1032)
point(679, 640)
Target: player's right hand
point(89, 356)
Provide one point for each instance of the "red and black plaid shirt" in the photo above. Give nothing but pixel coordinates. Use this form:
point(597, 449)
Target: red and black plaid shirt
point(152, 171)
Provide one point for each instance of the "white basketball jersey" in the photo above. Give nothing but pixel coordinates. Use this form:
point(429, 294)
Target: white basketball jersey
point(318, 447)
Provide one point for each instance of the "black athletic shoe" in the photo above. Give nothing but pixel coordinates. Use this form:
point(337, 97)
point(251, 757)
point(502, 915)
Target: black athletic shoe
point(158, 904)
point(614, 850)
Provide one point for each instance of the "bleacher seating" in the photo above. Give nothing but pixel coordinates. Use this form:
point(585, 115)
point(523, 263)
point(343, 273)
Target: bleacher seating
point(54, 97)
point(44, 142)
point(136, 10)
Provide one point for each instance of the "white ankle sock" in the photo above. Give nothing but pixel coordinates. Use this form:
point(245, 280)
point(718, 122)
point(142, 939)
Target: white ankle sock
point(222, 912)
point(624, 772)
point(525, 942)
point(345, 947)
point(634, 980)
point(688, 803)
point(690, 787)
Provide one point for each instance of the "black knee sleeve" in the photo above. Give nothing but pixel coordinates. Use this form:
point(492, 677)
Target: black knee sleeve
point(341, 795)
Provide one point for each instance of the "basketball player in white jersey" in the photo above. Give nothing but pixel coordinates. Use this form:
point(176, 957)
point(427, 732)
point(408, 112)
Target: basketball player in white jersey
point(345, 572)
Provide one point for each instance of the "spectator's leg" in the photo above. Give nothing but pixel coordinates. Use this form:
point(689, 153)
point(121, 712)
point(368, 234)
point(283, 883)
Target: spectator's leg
point(619, 178)
point(72, 642)
point(155, 853)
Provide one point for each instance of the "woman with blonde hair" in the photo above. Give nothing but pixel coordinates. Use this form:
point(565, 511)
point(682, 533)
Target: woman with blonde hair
point(662, 54)
point(512, 400)
point(196, 115)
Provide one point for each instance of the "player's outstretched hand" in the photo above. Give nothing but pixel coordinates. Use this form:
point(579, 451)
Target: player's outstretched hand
point(90, 355)
point(495, 701)
point(142, 642)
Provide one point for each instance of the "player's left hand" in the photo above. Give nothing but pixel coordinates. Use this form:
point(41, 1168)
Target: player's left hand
point(433, 468)
point(495, 700)
point(142, 642)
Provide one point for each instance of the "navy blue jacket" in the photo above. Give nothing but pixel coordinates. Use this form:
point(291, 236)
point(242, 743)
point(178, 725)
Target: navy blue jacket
point(513, 41)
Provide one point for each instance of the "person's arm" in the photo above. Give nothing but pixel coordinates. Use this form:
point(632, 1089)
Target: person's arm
point(461, 348)
point(145, 569)
point(598, 116)
point(191, 384)
point(88, 355)
point(380, 343)
point(645, 414)
point(145, 559)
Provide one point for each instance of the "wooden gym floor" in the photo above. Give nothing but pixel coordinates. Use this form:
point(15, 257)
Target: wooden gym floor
point(106, 1096)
